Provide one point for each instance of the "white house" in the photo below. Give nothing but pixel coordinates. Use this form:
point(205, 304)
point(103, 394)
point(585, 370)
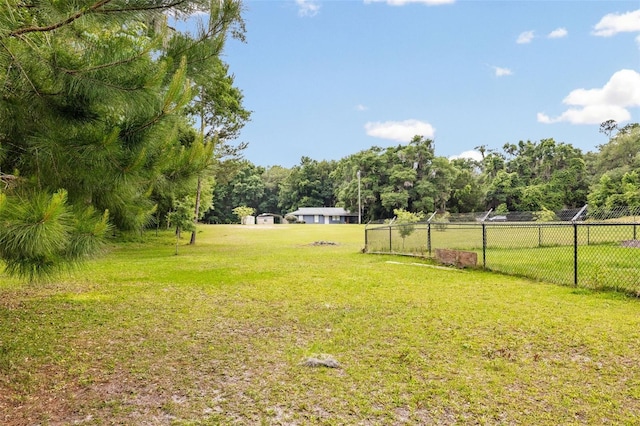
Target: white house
point(325, 215)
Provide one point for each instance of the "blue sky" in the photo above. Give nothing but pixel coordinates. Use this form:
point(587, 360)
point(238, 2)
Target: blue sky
point(327, 79)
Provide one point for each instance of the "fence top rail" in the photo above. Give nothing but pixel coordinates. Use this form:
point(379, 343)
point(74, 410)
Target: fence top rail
point(424, 225)
point(579, 215)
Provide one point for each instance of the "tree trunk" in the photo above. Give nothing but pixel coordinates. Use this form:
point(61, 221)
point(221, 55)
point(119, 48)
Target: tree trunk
point(197, 212)
point(199, 188)
point(177, 238)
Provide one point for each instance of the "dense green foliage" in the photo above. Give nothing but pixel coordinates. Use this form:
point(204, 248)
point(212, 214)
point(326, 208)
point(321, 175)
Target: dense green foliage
point(542, 176)
point(96, 107)
point(617, 171)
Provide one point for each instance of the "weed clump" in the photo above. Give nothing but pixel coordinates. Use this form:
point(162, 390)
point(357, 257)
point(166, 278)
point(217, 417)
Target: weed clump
point(324, 243)
point(322, 360)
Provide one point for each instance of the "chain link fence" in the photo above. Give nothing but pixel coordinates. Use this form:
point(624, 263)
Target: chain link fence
point(590, 248)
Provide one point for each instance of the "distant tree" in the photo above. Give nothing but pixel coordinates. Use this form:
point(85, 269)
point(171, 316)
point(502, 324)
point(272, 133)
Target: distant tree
point(243, 211)
point(501, 209)
point(309, 184)
point(614, 191)
point(628, 128)
point(272, 179)
point(545, 215)
point(622, 151)
point(181, 217)
point(481, 149)
point(631, 188)
point(345, 175)
point(406, 222)
point(492, 164)
point(466, 189)
point(218, 107)
point(504, 189)
point(406, 177)
point(392, 200)
point(443, 176)
point(608, 127)
point(533, 175)
point(241, 185)
point(616, 170)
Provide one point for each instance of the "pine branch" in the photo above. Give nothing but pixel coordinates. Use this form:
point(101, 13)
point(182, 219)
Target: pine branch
point(142, 8)
point(97, 7)
point(60, 24)
point(15, 61)
point(99, 82)
point(106, 65)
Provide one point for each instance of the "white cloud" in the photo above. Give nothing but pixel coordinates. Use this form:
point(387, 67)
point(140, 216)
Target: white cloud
point(474, 155)
point(594, 106)
point(501, 72)
point(593, 114)
point(623, 89)
point(400, 131)
point(361, 107)
point(525, 37)
point(558, 33)
point(307, 7)
point(615, 23)
point(403, 2)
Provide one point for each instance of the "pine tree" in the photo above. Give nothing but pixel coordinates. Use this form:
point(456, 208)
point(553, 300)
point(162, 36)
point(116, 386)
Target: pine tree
point(92, 94)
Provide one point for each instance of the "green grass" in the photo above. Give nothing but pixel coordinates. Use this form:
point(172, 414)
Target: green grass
point(538, 252)
point(600, 267)
point(218, 335)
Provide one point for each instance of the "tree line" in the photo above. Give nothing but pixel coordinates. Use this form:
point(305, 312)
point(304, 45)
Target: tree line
point(527, 176)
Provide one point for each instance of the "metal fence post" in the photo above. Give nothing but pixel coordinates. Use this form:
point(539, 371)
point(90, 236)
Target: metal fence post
point(575, 254)
point(429, 232)
point(366, 239)
point(539, 235)
point(390, 244)
point(484, 245)
point(484, 239)
point(574, 221)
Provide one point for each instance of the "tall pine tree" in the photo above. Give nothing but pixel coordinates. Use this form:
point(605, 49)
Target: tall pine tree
point(92, 93)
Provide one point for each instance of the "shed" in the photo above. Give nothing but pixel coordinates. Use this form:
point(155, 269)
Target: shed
point(266, 219)
point(249, 220)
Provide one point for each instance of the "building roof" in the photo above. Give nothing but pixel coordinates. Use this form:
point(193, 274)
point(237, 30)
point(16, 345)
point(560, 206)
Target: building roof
point(322, 211)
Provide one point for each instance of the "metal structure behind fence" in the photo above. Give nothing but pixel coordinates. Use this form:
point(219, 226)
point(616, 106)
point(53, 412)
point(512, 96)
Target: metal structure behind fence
point(593, 249)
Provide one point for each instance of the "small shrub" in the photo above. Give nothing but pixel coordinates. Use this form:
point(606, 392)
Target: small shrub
point(292, 219)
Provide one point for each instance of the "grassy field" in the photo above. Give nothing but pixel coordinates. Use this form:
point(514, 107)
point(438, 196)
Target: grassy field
point(220, 334)
point(610, 267)
point(538, 252)
point(512, 236)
